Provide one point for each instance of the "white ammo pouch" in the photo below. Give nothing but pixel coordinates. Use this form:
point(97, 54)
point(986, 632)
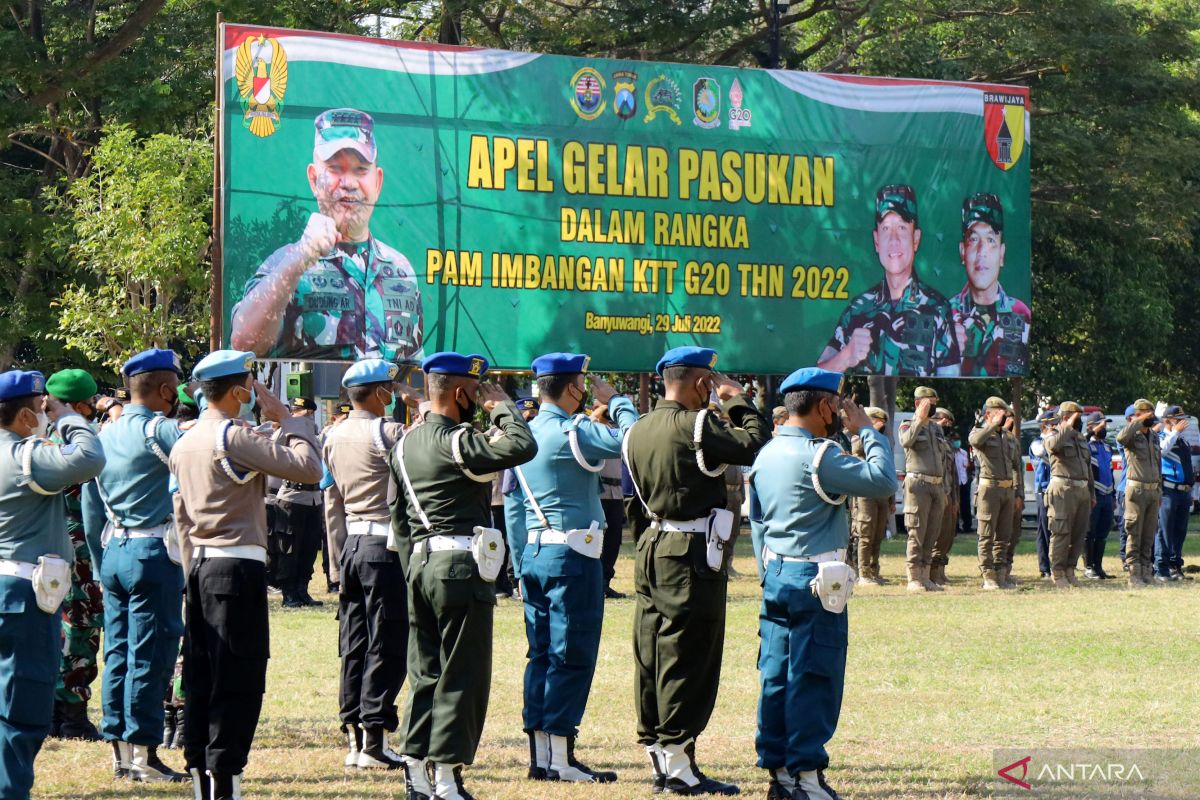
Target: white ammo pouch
point(585, 541)
point(51, 582)
point(487, 545)
point(716, 538)
point(834, 585)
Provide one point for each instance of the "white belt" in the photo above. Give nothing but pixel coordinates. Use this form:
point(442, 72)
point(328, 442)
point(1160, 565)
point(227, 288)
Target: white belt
point(366, 527)
point(1142, 484)
point(250, 552)
point(17, 569)
point(936, 480)
point(157, 532)
point(996, 483)
point(435, 544)
point(1178, 487)
point(544, 536)
point(770, 555)
point(699, 525)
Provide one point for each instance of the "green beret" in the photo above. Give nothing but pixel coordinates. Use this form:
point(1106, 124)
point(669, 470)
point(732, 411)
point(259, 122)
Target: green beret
point(181, 391)
point(71, 385)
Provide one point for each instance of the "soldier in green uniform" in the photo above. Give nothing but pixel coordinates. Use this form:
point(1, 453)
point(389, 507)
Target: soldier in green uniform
point(870, 514)
point(1070, 494)
point(83, 608)
point(1143, 489)
point(949, 524)
point(924, 497)
point(901, 326)
point(677, 455)
point(338, 292)
point(991, 327)
point(994, 505)
point(440, 527)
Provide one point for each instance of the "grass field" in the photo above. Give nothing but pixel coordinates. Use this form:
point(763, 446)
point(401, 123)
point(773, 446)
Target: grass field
point(935, 682)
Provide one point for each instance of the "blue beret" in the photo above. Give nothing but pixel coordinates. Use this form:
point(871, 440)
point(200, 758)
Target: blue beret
point(470, 366)
point(16, 383)
point(220, 363)
point(370, 370)
point(560, 364)
point(687, 357)
point(1047, 416)
point(526, 404)
point(152, 361)
point(1130, 410)
point(813, 378)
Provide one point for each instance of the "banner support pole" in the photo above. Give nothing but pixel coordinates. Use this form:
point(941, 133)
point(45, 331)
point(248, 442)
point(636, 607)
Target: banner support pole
point(217, 250)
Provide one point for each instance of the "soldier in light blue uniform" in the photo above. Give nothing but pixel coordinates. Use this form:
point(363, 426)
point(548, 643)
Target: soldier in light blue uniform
point(35, 551)
point(558, 495)
point(798, 521)
point(143, 619)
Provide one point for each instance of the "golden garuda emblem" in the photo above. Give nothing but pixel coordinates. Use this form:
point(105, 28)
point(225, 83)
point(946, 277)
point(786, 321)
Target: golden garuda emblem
point(262, 73)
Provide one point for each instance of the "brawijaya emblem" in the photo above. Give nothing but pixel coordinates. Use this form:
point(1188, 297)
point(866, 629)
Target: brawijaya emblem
point(261, 69)
point(1004, 128)
point(588, 99)
point(663, 97)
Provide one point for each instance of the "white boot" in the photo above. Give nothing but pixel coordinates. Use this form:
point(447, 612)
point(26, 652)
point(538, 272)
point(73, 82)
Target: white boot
point(120, 759)
point(354, 737)
point(199, 784)
point(814, 787)
point(146, 767)
point(564, 767)
point(375, 753)
point(786, 784)
point(416, 779)
point(539, 755)
point(684, 777)
point(656, 765)
point(447, 782)
point(226, 787)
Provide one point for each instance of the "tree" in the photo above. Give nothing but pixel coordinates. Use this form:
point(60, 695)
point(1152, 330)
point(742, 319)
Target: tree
point(138, 224)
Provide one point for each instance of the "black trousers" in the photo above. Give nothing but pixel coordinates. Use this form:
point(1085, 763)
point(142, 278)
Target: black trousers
point(506, 581)
point(373, 632)
point(614, 519)
point(276, 533)
point(226, 648)
point(305, 526)
point(964, 506)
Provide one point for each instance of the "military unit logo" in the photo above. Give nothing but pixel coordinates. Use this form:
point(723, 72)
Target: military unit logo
point(739, 116)
point(261, 69)
point(706, 103)
point(476, 367)
point(1004, 128)
point(588, 99)
point(625, 94)
point(663, 97)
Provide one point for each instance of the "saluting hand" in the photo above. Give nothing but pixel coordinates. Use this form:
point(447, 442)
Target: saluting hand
point(924, 408)
point(491, 395)
point(270, 406)
point(55, 409)
point(726, 387)
point(856, 419)
point(408, 395)
point(602, 390)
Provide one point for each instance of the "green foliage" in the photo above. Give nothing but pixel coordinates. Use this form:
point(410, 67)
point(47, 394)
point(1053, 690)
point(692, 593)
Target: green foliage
point(137, 226)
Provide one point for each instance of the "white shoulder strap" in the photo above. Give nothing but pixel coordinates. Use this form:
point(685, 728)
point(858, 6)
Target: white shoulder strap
point(27, 465)
point(573, 439)
point(816, 478)
point(456, 451)
point(697, 434)
point(408, 487)
point(537, 508)
point(222, 448)
point(632, 477)
point(151, 442)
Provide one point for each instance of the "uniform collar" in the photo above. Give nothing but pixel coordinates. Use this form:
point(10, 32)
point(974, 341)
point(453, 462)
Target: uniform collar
point(212, 413)
point(359, 413)
point(550, 409)
point(137, 409)
point(794, 430)
point(671, 404)
point(440, 419)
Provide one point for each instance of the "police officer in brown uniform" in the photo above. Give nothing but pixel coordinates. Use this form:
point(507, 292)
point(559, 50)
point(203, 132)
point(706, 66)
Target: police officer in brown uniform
point(994, 498)
point(924, 496)
point(1069, 496)
point(869, 524)
point(1004, 570)
point(1143, 490)
point(220, 465)
point(945, 540)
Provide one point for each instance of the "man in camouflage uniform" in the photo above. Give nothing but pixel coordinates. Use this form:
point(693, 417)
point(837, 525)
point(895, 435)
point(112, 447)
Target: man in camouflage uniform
point(338, 293)
point(83, 608)
point(924, 495)
point(991, 328)
point(945, 539)
point(869, 523)
point(901, 326)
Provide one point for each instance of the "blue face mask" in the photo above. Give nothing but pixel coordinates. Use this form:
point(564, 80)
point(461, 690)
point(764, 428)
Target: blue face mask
point(248, 408)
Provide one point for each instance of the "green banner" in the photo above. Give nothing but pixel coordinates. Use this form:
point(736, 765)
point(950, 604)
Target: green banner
point(394, 199)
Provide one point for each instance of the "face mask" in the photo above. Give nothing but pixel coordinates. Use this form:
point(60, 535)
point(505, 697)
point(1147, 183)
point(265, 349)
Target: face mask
point(835, 426)
point(468, 413)
point(248, 407)
point(1078, 425)
point(583, 397)
point(957, 443)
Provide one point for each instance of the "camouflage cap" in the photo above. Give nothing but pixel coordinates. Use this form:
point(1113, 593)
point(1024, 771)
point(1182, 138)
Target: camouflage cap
point(944, 412)
point(923, 392)
point(344, 129)
point(983, 207)
point(875, 412)
point(1069, 407)
point(1143, 404)
point(897, 197)
point(996, 402)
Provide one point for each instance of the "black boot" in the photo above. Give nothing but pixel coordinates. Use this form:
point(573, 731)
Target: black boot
point(291, 597)
point(226, 787)
point(375, 752)
point(146, 767)
point(170, 724)
point(76, 725)
point(1098, 559)
point(177, 742)
point(56, 720)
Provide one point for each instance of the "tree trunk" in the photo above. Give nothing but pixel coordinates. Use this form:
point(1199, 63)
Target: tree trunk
point(450, 31)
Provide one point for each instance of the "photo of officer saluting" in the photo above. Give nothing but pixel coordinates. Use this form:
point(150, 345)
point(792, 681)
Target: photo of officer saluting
point(338, 293)
point(900, 326)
